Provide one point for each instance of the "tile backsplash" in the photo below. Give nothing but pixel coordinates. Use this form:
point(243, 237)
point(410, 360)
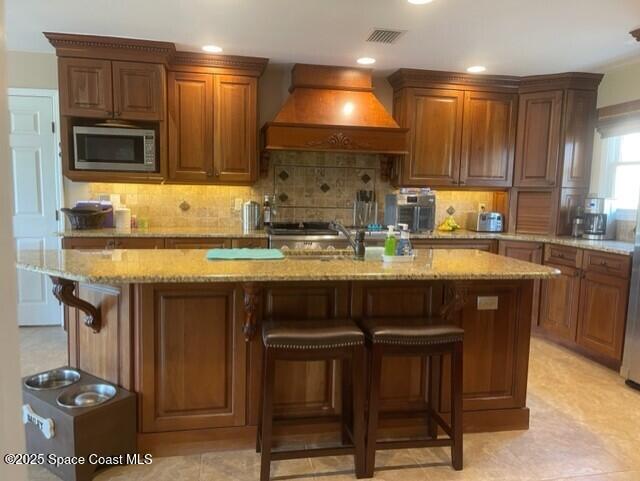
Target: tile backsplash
point(308, 186)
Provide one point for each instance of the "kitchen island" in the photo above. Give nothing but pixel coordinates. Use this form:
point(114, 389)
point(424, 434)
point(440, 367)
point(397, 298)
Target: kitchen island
point(183, 333)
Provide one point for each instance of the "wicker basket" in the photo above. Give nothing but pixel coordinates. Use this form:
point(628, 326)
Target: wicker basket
point(82, 219)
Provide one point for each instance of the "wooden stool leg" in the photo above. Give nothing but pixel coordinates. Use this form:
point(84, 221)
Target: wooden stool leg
point(259, 427)
point(435, 376)
point(456, 406)
point(358, 394)
point(374, 396)
point(267, 414)
point(347, 400)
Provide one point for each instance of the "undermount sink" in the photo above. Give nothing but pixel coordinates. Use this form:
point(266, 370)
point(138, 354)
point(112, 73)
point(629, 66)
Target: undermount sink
point(317, 254)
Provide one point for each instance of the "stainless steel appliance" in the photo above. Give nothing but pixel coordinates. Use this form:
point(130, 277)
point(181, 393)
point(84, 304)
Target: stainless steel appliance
point(114, 149)
point(598, 219)
point(250, 216)
point(414, 207)
point(365, 209)
point(631, 360)
point(485, 221)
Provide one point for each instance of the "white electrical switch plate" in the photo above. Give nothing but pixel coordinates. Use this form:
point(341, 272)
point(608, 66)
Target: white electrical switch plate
point(487, 303)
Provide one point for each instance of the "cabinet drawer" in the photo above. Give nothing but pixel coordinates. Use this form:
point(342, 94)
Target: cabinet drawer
point(250, 243)
point(197, 243)
point(612, 264)
point(481, 245)
point(563, 255)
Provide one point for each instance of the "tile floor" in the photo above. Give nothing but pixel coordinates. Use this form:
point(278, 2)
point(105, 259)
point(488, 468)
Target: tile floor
point(585, 426)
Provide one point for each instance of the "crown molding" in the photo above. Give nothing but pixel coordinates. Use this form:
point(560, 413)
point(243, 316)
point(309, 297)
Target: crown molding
point(568, 80)
point(405, 77)
point(255, 65)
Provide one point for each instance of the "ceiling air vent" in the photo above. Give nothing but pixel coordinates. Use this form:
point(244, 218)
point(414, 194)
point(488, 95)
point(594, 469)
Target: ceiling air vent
point(385, 35)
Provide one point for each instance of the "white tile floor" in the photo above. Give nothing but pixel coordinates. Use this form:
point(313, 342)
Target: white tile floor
point(585, 426)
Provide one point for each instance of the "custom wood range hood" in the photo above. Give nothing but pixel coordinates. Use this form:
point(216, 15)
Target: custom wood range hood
point(333, 109)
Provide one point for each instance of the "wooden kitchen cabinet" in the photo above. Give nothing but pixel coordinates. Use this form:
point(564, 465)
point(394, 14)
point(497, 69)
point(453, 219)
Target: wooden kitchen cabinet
point(112, 243)
point(139, 243)
point(529, 252)
point(138, 91)
point(602, 315)
point(488, 139)
point(579, 128)
point(235, 147)
point(212, 128)
point(102, 89)
point(538, 144)
point(434, 117)
point(197, 243)
point(190, 99)
point(559, 303)
point(192, 365)
point(85, 87)
point(481, 245)
point(248, 243)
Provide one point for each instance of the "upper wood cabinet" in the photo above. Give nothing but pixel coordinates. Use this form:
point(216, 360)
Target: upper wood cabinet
point(138, 91)
point(85, 87)
point(212, 128)
point(102, 89)
point(579, 127)
point(235, 147)
point(462, 133)
point(538, 145)
point(190, 98)
point(488, 139)
point(434, 117)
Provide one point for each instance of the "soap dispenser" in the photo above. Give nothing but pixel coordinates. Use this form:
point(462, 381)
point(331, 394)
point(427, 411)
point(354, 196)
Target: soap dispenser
point(390, 242)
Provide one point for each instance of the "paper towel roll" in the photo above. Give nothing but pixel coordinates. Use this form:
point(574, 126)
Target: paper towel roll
point(123, 219)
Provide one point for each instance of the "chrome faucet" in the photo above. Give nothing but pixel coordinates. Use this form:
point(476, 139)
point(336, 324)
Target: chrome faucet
point(356, 242)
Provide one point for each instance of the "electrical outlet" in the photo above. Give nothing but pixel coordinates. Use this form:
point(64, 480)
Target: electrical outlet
point(238, 204)
point(482, 206)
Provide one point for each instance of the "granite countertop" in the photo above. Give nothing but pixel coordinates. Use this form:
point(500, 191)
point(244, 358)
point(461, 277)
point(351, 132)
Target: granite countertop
point(611, 246)
point(184, 266)
point(194, 232)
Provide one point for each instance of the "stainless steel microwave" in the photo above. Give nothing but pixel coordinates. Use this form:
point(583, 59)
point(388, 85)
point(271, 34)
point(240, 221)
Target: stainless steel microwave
point(114, 148)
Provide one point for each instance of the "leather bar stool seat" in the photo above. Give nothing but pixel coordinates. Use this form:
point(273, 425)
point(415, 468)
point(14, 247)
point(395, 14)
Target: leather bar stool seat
point(325, 334)
point(310, 340)
point(426, 338)
point(410, 332)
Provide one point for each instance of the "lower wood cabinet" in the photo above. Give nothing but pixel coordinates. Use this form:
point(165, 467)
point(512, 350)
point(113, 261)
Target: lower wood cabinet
point(586, 307)
point(481, 245)
point(529, 252)
point(161, 243)
point(192, 366)
point(195, 243)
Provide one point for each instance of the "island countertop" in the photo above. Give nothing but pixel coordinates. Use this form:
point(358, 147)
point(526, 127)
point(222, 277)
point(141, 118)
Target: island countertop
point(187, 266)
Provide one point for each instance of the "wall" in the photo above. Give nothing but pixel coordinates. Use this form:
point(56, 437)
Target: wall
point(32, 70)
point(11, 430)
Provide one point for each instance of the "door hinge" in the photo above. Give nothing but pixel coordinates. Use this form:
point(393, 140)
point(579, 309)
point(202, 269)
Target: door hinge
point(53, 127)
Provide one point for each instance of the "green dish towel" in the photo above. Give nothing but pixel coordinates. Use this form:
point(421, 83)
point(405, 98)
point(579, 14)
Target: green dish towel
point(244, 254)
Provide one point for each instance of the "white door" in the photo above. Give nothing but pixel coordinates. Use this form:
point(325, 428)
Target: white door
point(36, 186)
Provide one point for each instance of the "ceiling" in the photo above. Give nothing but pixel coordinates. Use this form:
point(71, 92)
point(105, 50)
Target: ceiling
point(518, 37)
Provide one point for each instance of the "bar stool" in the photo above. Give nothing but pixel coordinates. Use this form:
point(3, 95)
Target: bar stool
point(416, 337)
point(312, 341)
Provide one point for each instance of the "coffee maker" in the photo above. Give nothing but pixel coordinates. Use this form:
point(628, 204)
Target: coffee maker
point(598, 218)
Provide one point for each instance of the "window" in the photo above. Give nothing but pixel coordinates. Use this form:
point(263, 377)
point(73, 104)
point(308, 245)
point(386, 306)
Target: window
point(624, 170)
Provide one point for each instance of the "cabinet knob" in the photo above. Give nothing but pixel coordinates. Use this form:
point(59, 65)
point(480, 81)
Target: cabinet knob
point(209, 173)
point(216, 173)
point(462, 182)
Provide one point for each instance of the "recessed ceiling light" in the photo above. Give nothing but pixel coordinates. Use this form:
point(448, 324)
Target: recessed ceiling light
point(212, 49)
point(366, 60)
point(419, 2)
point(476, 69)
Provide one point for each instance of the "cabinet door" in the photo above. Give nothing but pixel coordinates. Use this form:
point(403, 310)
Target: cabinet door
point(192, 365)
point(579, 125)
point(570, 200)
point(559, 304)
point(190, 100)
point(488, 139)
point(602, 316)
point(434, 118)
point(85, 87)
point(538, 146)
point(138, 91)
point(88, 243)
point(235, 129)
point(530, 252)
point(187, 243)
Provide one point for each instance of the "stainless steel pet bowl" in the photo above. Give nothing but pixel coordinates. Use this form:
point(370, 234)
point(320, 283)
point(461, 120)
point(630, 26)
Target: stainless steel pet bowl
point(87, 395)
point(54, 379)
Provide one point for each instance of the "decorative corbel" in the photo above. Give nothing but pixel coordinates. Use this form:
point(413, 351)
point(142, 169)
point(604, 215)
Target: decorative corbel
point(63, 290)
point(251, 305)
point(455, 299)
